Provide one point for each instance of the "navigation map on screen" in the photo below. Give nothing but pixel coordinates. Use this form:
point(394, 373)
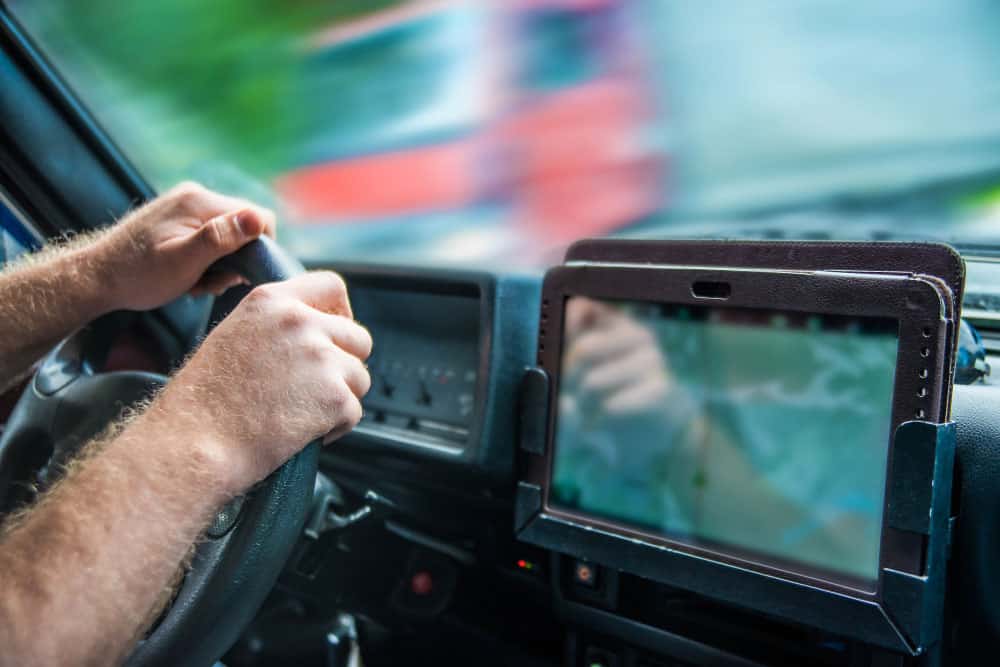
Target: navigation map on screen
point(760, 434)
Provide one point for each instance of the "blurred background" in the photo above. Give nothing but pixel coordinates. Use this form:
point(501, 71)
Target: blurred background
point(495, 132)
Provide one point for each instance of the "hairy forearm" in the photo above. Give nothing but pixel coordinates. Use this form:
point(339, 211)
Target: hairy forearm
point(44, 298)
point(99, 552)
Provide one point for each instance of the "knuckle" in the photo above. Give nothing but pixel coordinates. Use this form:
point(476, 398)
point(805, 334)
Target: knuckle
point(293, 318)
point(315, 352)
point(186, 191)
point(357, 373)
point(213, 236)
point(261, 295)
point(352, 412)
point(358, 367)
point(335, 282)
point(365, 342)
point(365, 381)
point(354, 337)
point(336, 397)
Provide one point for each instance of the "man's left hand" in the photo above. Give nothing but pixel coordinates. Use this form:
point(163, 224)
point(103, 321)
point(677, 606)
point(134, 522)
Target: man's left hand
point(162, 250)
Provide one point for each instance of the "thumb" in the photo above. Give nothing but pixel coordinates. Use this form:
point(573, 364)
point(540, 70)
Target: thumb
point(227, 233)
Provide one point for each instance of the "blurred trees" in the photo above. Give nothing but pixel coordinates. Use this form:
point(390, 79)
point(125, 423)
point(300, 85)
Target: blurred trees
point(226, 70)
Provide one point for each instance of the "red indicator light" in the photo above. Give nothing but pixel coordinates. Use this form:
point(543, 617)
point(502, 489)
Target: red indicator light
point(422, 583)
point(525, 564)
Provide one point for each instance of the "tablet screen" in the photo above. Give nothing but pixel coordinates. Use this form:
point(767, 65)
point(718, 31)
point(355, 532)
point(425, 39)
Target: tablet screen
point(759, 434)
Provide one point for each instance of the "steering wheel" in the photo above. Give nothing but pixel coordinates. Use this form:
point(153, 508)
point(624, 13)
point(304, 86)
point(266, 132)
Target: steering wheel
point(236, 565)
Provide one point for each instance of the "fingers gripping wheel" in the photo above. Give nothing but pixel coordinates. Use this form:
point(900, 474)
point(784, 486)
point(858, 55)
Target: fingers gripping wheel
point(246, 547)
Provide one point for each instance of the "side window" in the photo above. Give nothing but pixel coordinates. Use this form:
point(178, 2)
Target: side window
point(16, 237)
point(9, 247)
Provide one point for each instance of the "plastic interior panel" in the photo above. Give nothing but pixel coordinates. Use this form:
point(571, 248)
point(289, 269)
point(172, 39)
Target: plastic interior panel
point(919, 495)
point(534, 397)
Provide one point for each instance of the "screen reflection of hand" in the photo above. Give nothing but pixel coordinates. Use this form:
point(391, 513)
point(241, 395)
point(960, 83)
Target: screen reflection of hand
point(613, 360)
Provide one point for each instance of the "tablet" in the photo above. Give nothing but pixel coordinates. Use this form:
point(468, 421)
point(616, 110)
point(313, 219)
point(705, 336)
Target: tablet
point(744, 418)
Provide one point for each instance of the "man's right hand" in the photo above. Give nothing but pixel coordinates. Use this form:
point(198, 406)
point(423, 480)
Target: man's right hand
point(284, 368)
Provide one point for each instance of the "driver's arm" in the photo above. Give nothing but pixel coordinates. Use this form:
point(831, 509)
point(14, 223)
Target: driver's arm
point(84, 571)
point(153, 255)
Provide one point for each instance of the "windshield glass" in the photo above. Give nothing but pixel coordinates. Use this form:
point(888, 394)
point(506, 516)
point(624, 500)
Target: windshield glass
point(493, 133)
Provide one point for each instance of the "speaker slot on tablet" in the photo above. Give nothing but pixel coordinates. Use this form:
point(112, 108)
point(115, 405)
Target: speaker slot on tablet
point(711, 289)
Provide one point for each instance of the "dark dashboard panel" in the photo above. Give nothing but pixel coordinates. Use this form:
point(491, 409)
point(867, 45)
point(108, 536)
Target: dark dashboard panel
point(425, 364)
point(450, 349)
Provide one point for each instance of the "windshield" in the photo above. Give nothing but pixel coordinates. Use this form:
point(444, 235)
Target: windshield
point(494, 133)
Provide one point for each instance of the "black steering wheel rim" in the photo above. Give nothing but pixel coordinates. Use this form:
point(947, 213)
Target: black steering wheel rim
point(236, 566)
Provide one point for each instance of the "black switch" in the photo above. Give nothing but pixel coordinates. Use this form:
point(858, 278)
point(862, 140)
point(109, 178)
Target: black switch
point(388, 388)
point(423, 395)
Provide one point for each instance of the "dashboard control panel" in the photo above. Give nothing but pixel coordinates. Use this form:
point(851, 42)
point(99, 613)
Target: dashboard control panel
point(450, 348)
point(424, 366)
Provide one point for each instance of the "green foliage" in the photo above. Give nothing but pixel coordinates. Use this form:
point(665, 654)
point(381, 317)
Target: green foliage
point(227, 71)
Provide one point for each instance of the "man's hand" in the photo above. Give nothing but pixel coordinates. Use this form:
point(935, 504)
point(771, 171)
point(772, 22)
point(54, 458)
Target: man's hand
point(284, 368)
point(616, 360)
point(154, 255)
point(162, 250)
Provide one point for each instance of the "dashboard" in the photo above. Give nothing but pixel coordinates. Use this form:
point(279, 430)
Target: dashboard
point(434, 462)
